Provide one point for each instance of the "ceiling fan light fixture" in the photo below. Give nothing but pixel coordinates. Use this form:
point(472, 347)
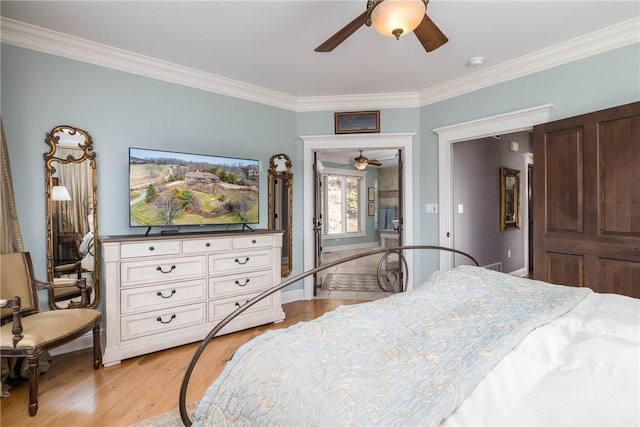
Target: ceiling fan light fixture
point(395, 18)
point(360, 166)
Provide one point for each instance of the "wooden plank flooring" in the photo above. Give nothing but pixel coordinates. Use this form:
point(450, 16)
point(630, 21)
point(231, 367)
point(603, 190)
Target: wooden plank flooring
point(73, 394)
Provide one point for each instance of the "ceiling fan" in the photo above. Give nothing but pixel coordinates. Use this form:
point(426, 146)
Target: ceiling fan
point(392, 18)
point(361, 162)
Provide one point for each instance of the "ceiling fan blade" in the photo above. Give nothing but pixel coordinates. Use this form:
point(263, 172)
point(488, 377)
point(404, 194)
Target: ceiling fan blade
point(373, 162)
point(333, 41)
point(430, 35)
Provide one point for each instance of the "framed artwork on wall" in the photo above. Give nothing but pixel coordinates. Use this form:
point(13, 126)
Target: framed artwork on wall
point(371, 194)
point(372, 209)
point(357, 122)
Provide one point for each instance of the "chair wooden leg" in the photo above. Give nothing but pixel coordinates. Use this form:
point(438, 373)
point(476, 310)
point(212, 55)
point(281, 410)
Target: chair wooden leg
point(33, 361)
point(97, 351)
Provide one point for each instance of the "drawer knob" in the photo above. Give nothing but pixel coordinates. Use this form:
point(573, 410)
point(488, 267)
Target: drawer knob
point(151, 248)
point(253, 241)
point(246, 260)
point(173, 292)
point(246, 282)
point(159, 319)
point(238, 304)
point(207, 244)
point(173, 267)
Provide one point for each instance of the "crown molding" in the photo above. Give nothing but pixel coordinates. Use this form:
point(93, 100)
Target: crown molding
point(55, 43)
point(609, 38)
point(359, 102)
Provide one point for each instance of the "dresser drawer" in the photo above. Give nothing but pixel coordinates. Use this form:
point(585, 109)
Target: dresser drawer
point(245, 261)
point(149, 248)
point(160, 296)
point(161, 270)
point(154, 322)
point(249, 242)
point(239, 283)
point(218, 309)
point(206, 245)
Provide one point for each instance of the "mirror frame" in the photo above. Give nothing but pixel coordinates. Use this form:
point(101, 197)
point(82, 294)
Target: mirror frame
point(280, 168)
point(50, 158)
point(505, 210)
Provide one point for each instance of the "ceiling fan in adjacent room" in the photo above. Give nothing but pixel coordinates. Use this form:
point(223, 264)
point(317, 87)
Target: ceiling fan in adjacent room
point(392, 18)
point(361, 162)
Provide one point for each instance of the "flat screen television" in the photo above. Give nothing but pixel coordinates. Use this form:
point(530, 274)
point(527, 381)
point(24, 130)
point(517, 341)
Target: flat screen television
point(168, 188)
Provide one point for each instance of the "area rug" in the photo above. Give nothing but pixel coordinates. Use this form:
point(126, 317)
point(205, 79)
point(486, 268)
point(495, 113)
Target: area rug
point(167, 419)
point(351, 282)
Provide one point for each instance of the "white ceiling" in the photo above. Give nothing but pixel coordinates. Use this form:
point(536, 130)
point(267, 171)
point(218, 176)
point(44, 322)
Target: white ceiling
point(269, 44)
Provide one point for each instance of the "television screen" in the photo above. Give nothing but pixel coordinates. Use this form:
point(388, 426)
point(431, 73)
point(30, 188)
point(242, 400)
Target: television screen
point(177, 189)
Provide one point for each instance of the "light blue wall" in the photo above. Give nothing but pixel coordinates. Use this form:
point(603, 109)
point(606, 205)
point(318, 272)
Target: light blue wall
point(120, 110)
point(591, 84)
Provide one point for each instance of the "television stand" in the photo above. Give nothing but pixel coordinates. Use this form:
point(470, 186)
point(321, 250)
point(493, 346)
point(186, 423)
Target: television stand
point(247, 226)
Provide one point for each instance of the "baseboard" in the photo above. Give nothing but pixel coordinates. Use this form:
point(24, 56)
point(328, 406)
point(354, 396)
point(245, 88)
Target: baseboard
point(84, 342)
point(292, 296)
point(520, 273)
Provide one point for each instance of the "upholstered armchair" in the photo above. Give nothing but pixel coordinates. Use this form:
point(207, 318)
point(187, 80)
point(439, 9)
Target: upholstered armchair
point(28, 332)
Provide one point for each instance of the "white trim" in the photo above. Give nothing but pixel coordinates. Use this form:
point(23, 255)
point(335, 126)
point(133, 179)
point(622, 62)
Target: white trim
point(520, 272)
point(503, 123)
point(528, 160)
point(609, 38)
point(403, 141)
point(55, 43)
point(291, 296)
point(81, 343)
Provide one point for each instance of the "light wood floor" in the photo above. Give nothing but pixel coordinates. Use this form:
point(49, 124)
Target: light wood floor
point(73, 394)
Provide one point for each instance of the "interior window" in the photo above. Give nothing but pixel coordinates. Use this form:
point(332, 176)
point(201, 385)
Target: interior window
point(343, 203)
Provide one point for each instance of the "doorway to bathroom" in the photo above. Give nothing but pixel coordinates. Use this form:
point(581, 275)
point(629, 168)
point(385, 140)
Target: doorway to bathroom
point(316, 150)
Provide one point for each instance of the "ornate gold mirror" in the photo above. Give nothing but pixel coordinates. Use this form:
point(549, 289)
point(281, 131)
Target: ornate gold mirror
point(509, 199)
point(281, 204)
point(72, 217)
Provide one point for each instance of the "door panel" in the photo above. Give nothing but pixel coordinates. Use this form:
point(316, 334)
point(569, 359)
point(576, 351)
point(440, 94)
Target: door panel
point(587, 191)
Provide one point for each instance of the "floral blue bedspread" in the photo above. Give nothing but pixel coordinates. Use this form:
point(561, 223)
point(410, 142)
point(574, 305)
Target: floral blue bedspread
point(409, 359)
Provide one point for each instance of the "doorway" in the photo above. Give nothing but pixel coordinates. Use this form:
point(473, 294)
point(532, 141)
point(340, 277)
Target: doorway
point(359, 211)
point(313, 144)
point(514, 121)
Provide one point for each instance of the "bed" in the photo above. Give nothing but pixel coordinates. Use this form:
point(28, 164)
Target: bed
point(468, 346)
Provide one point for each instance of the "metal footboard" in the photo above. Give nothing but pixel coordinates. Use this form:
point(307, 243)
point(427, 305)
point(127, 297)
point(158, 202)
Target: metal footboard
point(389, 279)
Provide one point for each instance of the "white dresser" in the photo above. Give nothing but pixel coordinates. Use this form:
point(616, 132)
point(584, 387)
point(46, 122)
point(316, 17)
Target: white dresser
point(165, 291)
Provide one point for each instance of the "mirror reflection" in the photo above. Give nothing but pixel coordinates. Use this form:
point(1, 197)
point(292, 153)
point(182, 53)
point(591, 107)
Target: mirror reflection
point(509, 198)
point(72, 223)
point(281, 204)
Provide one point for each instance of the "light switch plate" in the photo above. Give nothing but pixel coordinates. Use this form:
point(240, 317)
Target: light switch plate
point(432, 208)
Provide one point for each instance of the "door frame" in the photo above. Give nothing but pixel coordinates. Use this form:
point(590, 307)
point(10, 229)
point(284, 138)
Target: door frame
point(312, 143)
point(510, 122)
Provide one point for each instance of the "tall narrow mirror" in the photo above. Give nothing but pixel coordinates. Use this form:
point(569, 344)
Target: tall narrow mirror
point(72, 218)
point(281, 204)
point(509, 199)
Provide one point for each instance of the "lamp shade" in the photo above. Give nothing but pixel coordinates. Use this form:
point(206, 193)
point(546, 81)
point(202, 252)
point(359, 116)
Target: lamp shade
point(59, 193)
point(395, 18)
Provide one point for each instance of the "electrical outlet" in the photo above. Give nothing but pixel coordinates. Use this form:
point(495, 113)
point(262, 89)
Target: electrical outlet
point(432, 208)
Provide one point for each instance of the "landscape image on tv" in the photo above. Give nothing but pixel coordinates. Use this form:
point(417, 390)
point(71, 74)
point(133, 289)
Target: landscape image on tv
point(174, 189)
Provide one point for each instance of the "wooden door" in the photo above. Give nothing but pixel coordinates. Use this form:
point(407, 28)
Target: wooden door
point(587, 193)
